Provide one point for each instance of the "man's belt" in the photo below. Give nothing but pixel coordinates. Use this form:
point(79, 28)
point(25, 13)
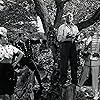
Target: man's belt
point(67, 40)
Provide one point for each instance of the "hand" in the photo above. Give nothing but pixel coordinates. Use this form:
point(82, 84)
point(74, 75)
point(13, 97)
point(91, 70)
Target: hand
point(73, 35)
point(95, 55)
point(41, 41)
point(68, 36)
point(14, 64)
point(63, 39)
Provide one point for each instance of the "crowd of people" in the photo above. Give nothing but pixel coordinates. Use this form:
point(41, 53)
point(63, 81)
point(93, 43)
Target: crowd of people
point(12, 54)
point(21, 53)
point(67, 33)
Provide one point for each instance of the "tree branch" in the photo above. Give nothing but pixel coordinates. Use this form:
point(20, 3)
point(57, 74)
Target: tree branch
point(90, 21)
point(59, 11)
point(43, 14)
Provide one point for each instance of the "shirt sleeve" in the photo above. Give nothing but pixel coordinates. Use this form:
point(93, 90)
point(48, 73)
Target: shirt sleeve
point(88, 40)
point(60, 33)
point(60, 30)
point(16, 50)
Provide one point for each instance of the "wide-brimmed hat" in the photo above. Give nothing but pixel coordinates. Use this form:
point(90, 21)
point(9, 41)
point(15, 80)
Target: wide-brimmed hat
point(3, 31)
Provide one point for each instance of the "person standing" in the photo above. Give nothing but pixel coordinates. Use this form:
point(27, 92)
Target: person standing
point(65, 36)
point(7, 51)
point(25, 44)
point(95, 63)
point(86, 77)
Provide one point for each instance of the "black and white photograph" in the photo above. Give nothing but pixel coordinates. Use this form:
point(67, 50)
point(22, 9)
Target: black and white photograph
point(49, 49)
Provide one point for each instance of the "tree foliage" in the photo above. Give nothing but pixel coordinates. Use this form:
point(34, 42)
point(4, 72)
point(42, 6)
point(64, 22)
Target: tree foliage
point(17, 17)
point(17, 13)
point(20, 15)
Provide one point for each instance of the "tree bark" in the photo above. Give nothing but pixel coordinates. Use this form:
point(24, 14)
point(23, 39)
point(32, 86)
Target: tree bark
point(42, 12)
point(69, 92)
point(59, 11)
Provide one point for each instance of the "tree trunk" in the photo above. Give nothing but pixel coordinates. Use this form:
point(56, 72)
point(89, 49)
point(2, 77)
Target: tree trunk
point(68, 93)
point(59, 11)
point(43, 14)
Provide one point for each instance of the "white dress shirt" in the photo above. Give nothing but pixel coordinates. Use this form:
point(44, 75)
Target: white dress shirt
point(7, 51)
point(65, 30)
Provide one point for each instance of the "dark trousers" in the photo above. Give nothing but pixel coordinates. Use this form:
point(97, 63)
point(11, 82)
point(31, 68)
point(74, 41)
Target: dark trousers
point(31, 65)
point(7, 79)
point(68, 53)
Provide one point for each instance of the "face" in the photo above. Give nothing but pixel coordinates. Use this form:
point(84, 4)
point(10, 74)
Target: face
point(22, 37)
point(3, 40)
point(69, 18)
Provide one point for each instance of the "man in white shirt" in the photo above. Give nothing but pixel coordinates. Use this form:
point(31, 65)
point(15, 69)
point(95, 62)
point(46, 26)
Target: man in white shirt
point(66, 34)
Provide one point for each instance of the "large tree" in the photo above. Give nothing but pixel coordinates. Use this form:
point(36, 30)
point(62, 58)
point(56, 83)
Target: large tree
point(44, 8)
point(86, 13)
point(60, 4)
